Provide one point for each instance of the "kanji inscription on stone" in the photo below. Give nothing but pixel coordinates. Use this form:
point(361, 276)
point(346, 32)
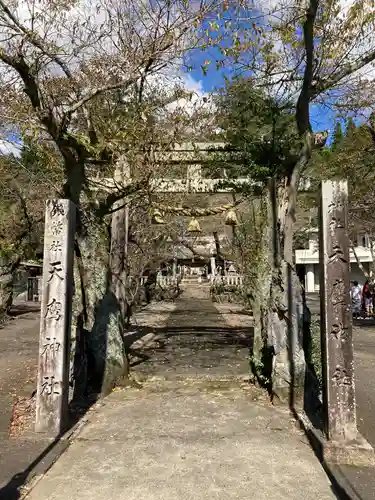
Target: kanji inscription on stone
point(55, 320)
point(56, 246)
point(340, 377)
point(55, 270)
point(336, 320)
point(50, 344)
point(336, 254)
point(57, 208)
point(50, 386)
point(339, 331)
point(57, 227)
point(338, 291)
point(53, 309)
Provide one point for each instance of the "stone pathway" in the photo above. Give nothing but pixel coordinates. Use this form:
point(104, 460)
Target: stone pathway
point(192, 439)
point(196, 338)
point(193, 430)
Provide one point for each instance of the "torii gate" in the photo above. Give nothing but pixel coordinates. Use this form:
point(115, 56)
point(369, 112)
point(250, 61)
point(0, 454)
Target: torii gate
point(194, 155)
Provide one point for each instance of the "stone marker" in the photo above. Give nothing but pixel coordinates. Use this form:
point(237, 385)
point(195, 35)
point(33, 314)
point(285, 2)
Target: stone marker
point(55, 319)
point(336, 322)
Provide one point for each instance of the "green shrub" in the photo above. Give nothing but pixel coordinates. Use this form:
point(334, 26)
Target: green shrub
point(315, 346)
point(221, 292)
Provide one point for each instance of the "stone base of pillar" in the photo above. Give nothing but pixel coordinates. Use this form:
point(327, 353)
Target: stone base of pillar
point(357, 452)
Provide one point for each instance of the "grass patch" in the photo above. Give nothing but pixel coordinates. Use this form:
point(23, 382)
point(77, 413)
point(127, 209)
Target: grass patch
point(315, 346)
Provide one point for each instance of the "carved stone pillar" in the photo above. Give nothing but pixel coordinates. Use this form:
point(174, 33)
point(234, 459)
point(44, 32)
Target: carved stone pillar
point(56, 316)
point(336, 325)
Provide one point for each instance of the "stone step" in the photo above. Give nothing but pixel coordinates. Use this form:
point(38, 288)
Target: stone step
point(176, 383)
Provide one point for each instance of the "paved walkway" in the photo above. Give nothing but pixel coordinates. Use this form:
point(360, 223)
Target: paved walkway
point(193, 339)
point(185, 435)
point(18, 361)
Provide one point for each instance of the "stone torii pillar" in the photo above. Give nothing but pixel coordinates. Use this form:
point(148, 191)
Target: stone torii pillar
point(55, 318)
point(213, 266)
point(345, 444)
point(174, 268)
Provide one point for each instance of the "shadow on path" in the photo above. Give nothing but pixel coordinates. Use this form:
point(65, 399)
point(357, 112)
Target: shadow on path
point(195, 341)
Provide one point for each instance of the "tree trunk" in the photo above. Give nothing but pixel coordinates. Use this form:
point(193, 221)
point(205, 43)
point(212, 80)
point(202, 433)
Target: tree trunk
point(285, 328)
point(101, 305)
point(90, 284)
point(6, 289)
point(366, 274)
point(100, 356)
point(286, 306)
point(261, 353)
point(7, 276)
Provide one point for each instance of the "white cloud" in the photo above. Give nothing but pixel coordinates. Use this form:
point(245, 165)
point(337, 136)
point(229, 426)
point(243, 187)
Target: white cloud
point(198, 97)
point(195, 106)
point(173, 79)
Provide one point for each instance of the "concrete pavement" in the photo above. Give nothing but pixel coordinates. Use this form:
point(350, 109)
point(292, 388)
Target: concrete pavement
point(364, 357)
point(195, 430)
point(364, 352)
point(188, 440)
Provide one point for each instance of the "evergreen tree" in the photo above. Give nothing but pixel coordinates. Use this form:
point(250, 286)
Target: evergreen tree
point(259, 129)
point(350, 127)
point(337, 136)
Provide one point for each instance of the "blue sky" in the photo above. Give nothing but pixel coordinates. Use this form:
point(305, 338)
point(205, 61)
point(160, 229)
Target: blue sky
point(321, 117)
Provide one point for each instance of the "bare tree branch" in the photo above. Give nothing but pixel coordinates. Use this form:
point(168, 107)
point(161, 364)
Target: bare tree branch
point(323, 85)
point(34, 38)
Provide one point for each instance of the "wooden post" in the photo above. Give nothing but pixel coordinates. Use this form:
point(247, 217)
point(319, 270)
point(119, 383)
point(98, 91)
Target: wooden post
point(55, 319)
point(336, 322)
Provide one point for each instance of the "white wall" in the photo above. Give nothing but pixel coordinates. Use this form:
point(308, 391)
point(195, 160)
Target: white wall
point(310, 272)
point(356, 274)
